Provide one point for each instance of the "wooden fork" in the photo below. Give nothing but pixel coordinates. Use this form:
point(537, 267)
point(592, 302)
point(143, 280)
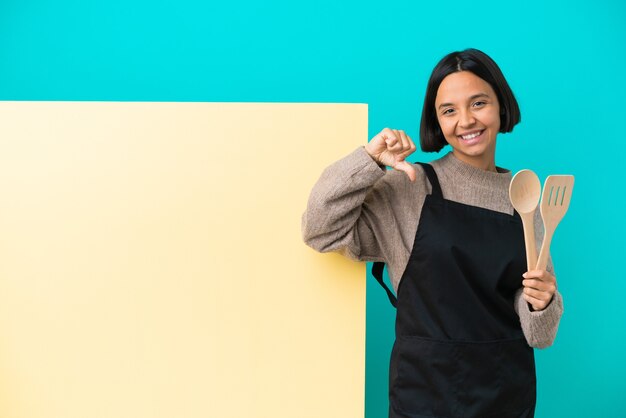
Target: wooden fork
point(557, 193)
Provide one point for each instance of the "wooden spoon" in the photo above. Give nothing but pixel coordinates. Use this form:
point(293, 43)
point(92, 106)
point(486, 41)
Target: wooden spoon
point(524, 192)
point(557, 193)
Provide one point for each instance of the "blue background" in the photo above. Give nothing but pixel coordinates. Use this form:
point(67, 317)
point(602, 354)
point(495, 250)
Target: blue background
point(565, 61)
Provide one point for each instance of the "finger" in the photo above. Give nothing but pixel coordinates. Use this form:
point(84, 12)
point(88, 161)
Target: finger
point(539, 285)
point(537, 294)
point(538, 304)
point(395, 145)
point(386, 133)
point(537, 273)
point(411, 142)
point(540, 275)
point(405, 145)
point(406, 153)
point(388, 136)
point(392, 143)
point(410, 150)
point(378, 144)
point(407, 168)
point(404, 139)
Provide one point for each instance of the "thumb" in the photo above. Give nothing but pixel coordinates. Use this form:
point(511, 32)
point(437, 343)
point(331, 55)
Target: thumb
point(407, 168)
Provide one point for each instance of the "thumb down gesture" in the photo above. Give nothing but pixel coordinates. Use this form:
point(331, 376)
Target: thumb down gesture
point(390, 147)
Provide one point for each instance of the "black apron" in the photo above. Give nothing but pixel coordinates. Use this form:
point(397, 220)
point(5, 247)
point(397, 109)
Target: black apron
point(459, 349)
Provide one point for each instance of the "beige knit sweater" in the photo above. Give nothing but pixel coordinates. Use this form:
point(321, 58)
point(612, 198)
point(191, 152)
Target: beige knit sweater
point(369, 213)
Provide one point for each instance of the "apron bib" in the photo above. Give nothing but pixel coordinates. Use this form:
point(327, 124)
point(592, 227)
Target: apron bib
point(460, 350)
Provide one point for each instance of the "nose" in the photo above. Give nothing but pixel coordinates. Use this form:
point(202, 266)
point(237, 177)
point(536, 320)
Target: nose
point(466, 119)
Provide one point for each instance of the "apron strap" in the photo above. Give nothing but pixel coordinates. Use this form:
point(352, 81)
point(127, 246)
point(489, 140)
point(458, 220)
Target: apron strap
point(378, 267)
point(377, 272)
point(432, 177)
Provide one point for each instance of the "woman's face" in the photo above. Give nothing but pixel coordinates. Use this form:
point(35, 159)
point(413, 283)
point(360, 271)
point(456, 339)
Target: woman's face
point(467, 105)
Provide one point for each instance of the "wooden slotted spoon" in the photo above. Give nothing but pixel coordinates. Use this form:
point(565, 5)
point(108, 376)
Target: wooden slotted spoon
point(557, 193)
point(524, 192)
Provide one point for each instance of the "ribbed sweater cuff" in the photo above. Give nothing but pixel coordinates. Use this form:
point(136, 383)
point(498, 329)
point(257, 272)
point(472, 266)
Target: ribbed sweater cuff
point(361, 159)
point(540, 327)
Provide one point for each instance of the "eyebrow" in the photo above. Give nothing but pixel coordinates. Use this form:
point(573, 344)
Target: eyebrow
point(471, 98)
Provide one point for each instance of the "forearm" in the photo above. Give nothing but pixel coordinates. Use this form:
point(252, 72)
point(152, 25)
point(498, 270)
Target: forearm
point(333, 220)
point(539, 327)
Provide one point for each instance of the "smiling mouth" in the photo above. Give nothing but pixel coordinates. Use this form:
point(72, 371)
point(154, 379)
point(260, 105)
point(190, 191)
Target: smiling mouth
point(471, 136)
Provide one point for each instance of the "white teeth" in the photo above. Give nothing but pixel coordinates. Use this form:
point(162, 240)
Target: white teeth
point(470, 136)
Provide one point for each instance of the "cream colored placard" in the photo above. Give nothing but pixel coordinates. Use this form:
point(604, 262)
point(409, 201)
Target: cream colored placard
point(151, 262)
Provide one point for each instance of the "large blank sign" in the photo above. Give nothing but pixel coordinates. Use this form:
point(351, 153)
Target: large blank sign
point(151, 262)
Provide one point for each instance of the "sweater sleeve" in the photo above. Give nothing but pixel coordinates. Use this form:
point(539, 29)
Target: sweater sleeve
point(540, 327)
point(346, 208)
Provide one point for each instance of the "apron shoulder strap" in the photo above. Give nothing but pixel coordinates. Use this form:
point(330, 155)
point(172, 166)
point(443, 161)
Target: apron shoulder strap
point(377, 272)
point(432, 177)
point(378, 267)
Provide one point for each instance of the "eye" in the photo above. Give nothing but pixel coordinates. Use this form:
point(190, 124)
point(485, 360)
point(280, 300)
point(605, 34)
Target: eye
point(446, 112)
point(479, 103)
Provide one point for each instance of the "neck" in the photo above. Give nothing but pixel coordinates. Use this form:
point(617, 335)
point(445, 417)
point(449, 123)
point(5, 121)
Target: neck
point(482, 162)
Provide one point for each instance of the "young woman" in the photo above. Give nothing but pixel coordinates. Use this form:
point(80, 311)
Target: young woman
point(468, 312)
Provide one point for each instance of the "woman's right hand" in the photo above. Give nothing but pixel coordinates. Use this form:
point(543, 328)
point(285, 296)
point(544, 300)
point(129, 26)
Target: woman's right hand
point(390, 147)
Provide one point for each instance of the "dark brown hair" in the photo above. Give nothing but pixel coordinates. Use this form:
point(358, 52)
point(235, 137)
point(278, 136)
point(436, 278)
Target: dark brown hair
point(480, 64)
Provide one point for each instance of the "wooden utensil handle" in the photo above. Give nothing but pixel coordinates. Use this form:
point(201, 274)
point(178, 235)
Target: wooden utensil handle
point(542, 263)
point(529, 240)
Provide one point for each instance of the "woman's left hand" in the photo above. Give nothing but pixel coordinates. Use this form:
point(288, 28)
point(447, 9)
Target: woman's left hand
point(539, 288)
